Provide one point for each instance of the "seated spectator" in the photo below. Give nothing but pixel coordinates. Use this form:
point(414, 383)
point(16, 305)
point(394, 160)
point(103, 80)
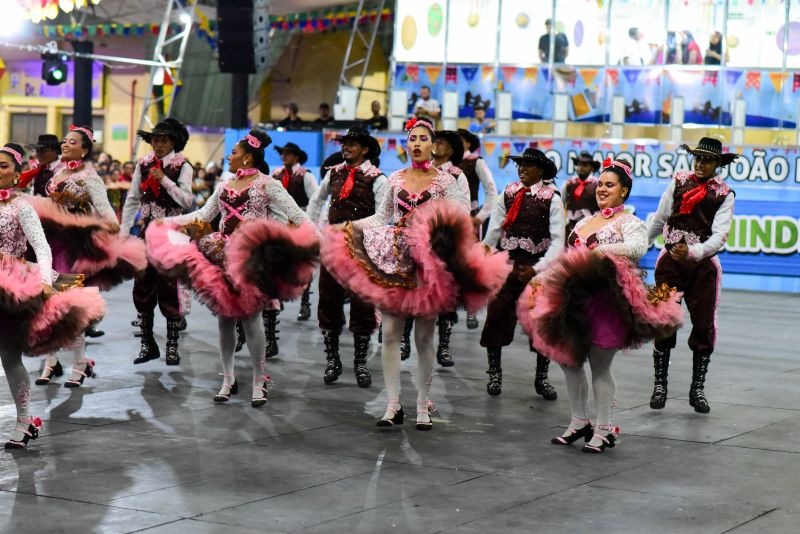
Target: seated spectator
point(377, 121)
point(325, 118)
point(480, 125)
point(292, 120)
point(714, 50)
point(426, 107)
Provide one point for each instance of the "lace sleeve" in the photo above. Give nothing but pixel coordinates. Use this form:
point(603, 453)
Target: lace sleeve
point(383, 215)
point(34, 233)
point(317, 201)
point(282, 206)
point(634, 240)
point(453, 191)
point(489, 189)
point(132, 202)
point(97, 191)
point(207, 213)
point(181, 192)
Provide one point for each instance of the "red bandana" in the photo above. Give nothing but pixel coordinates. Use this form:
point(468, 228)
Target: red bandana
point(286, 177)
point(579, 190)
point(348, 183)
point(151, 183)
point(694, 196)
point(511, 216)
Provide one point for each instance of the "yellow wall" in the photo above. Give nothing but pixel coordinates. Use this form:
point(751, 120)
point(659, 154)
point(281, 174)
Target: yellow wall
point(308, 73)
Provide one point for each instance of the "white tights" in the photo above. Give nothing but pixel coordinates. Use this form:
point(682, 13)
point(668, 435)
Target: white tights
point(603, 384)
point(390, 356)
point(78, 349)
point(256, 343)
point(18, 381)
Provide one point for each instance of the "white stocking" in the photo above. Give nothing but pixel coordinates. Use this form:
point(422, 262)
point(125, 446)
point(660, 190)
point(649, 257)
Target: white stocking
point(605, 389)
point(390, 357)
point(18, 382)
point(426, 354)
point(256, 343)
point(227, 344)
point(578, 392)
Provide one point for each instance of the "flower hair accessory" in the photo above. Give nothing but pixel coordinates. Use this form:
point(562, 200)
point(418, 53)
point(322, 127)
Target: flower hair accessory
point(5, 194)
point(252, 141)
point(86, 131)
point(413, 122)
point(16, 155)
point(608, 162)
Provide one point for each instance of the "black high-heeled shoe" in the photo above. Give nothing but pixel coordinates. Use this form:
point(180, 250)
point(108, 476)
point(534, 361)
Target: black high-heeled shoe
point(422, 424)
point(28, 433)
point(223, 396)
point(586, 433)
point(88, 372)
point(397, 417)
point(609, 441)
point(48, 373)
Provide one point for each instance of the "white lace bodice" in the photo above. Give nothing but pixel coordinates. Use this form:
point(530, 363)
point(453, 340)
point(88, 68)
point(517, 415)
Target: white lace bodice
point(83, 184)
point(393, 208)
point(625, 235)
point(267, 198)
point(19, 225)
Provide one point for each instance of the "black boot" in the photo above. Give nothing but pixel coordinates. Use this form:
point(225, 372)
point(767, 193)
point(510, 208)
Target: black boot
point(541, 384)
point(363, 377)
point(240, 340)
point(495, 384)
point(334, 365)
point(138, 324)
point(149, 349)
point(93, 332)
point(270, 322)
point(443, 351)
point(405, 341)
point(472, 321)
point(697, 397)
point(661, 365)
point(182, 323)
point(173, 334)
point(305, 305)
point(380, 333)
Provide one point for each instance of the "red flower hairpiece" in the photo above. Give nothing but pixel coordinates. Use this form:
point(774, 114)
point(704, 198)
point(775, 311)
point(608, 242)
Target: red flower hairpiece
point(413, 122)
point(608, 162)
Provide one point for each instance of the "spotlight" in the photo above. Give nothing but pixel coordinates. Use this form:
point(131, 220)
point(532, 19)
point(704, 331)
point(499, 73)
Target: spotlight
point(54, 68)
point(186, 18)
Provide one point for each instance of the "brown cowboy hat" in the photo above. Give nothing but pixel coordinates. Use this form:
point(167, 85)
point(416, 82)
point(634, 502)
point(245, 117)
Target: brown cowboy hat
point(292, 148)
point(586, 156)
point(362, 137)
point(454, 140)
point(710, 147)
point(533, 156)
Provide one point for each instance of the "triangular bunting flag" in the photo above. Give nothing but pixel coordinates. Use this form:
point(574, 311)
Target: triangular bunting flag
point(531, 73)
point(753, 80)
point(487, 73)
point(509, 73)
point(469, 72)
point(412, 71)
point(451, 74)
point(519, 148)
point(613, 76)
point(506, 146)
point(631, 75)
point(546, 74)
point(732, 76)
point(433, 73)
point(489, 146)
point(588, 76)
point(533, 144)
point(777, 79)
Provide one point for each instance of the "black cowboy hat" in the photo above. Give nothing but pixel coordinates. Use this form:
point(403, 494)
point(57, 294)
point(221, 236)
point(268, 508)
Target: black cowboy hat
point(533, 156)
point(473, 140)
point(171, 128)
point(454, 140)
point(585, 155)
point(46, 141)
point(362, 137)
point(292, 148)
point(710, 147)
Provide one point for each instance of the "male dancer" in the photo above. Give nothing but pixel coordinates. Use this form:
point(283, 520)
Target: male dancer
point(477, 173)
point(578, 193)
point(694, 216)
point(161, 187)
point(528, 222)
point(48, 152)
point(301, 186)
point(356, 188)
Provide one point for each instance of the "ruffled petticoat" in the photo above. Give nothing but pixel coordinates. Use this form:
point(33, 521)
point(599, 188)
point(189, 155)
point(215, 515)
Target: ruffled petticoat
point(239, 275)
point(588, 298)
point(431, 265)
point(43, 325)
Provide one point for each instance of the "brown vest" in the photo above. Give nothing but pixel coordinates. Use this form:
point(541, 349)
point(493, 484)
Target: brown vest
point(697, 223)
point(528, 237)
point(470, 168)
point(297, 187)
point(361, 201)
point(40, 182)
point(163, 199)
point(587, 200)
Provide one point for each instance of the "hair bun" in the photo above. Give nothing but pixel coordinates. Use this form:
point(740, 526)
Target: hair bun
point(262, 136)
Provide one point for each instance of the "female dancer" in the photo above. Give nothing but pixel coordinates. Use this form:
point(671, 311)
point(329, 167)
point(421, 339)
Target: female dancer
point(254, 257)
point(417, 256)
point(592, 302)
point(84, 236)
point(33, 318)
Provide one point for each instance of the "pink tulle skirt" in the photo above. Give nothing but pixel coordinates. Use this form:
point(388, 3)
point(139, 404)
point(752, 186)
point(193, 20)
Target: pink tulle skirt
point(262, 260)
point(587, 298)
point(89, 245)
point(41, 325)
point(430, 266)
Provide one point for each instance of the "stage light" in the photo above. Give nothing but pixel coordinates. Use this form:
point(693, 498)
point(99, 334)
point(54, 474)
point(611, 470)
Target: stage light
point(186, 18)
point(54, 68)
point(66, 5)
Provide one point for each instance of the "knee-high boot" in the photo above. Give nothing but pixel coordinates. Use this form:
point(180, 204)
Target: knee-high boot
point(173, 335)
point(305, 305)
point(541, 384)
point(443, 356)
point(661, 367)
point(334, 364)
point(363, 376)
point(148, 349)
point(697, 396)
point(495, 384)
point(270, 318)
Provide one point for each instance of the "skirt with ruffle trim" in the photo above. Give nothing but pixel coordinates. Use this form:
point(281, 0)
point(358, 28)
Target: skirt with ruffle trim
point(262, 260)
point(587, 298)
point(85, 244)
point(448, 267)
point(44, 324)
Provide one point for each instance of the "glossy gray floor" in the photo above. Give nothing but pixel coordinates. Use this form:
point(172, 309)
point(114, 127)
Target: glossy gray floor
point(143, 448)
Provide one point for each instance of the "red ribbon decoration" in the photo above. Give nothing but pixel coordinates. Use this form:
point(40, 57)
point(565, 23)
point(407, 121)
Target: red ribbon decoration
point(348, 183)
point(286, 177)
point(27, 176)
point(579, 190)
point(511, 216)
point(694, 196)
point(151, 183)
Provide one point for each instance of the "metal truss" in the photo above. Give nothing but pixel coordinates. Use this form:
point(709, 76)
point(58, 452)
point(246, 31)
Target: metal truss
point(366, 35)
